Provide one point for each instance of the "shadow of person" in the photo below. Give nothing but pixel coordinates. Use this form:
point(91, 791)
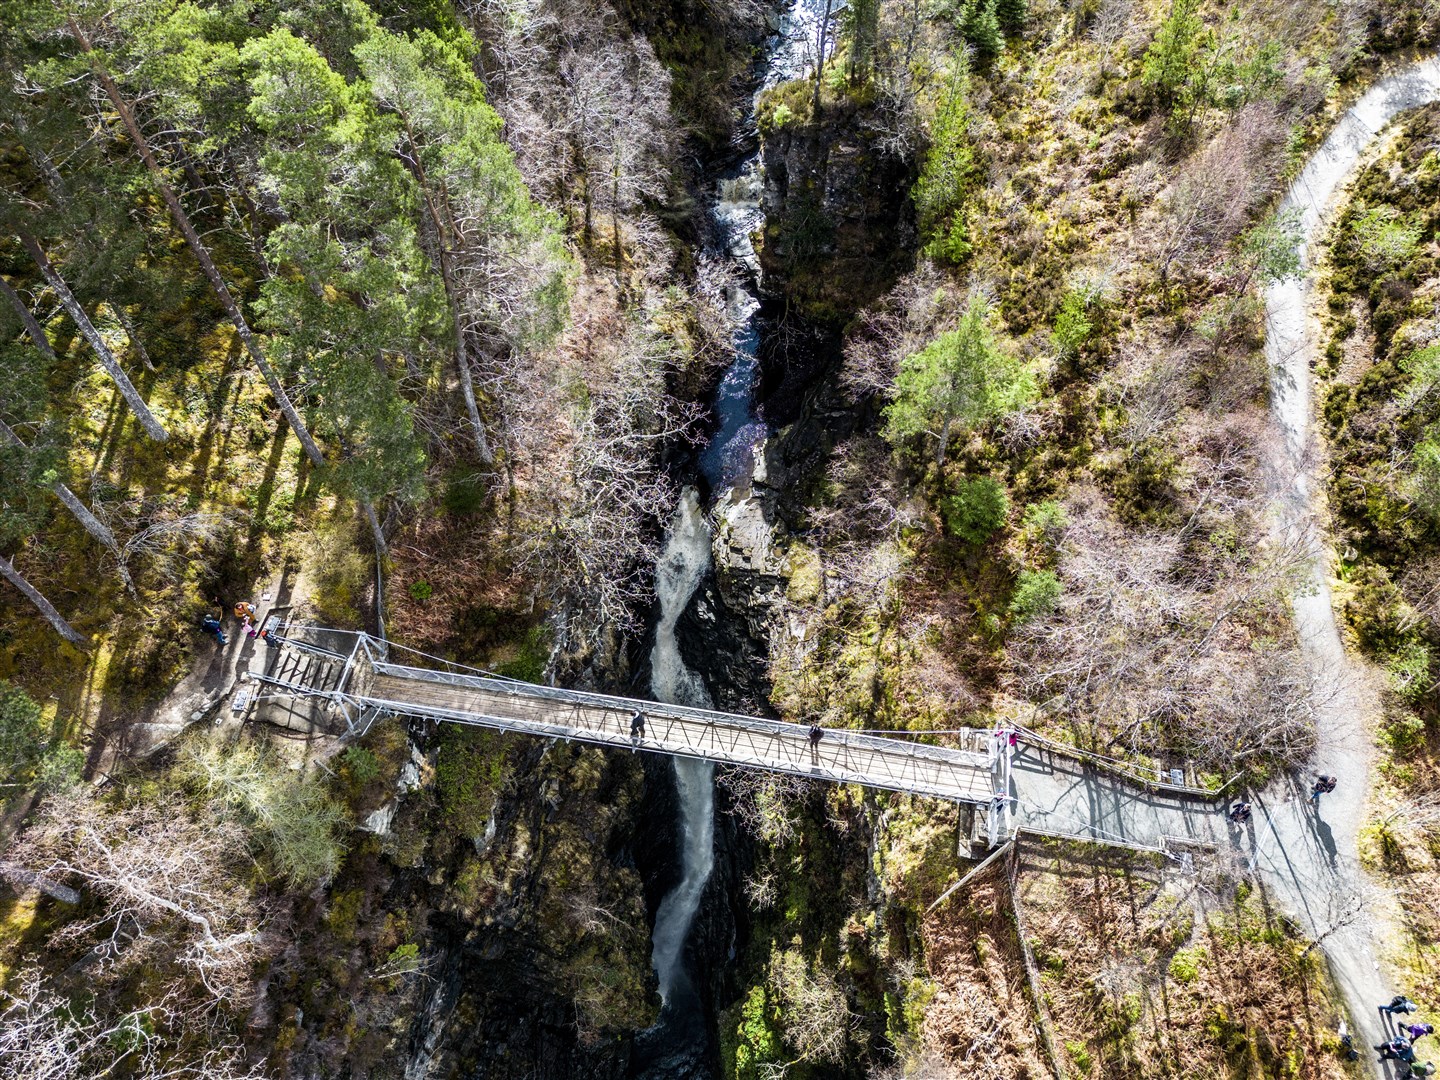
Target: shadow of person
point(1327, 840)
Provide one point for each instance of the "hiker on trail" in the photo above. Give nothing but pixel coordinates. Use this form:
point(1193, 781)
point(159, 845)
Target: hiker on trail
point(1417, 1069)
point(1240, 813)
point(211, 625)
point(637, 725)
point(1399, 1004)
point(1416, 1032)
point(244, 610)
point(1398, 1047)
point(1323, 785)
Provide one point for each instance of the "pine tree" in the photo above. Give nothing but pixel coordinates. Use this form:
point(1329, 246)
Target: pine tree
point(957, 382)
point(1012, 15)
point(980, 28)
point(81, 318)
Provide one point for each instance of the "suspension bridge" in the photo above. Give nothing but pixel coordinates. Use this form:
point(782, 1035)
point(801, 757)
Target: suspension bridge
point(329, 677)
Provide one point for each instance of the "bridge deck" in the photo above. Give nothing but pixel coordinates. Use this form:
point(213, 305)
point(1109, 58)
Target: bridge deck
point(963, 775)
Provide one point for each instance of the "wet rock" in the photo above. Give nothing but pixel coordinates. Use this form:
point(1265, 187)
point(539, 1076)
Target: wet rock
point(836, 237)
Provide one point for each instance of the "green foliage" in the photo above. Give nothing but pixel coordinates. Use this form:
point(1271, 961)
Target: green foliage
point(61, 769)
point(979, 25)
point(1409, 670)
point(960, 380)
point(299, 822)
point(1072, 326)
point(1185, 964)
point(1270, 251)
point(1385, 239)
point(22, 736)
point(361, 764)
point(528, 665)
point(947, 175)
point(1046, 522)
point(1404, 734)
point(1423, 484)
point(420, 591)
point(976, 509)
point(1172, 60)
point(1012, 14)
point(755, 1042)
point(470, 769)
point(1423, 367)
point(861, 25)
point(1036, 593)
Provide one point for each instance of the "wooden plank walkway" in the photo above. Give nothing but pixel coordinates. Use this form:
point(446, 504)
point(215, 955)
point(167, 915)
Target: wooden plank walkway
point(972, 772)
point(769, 745)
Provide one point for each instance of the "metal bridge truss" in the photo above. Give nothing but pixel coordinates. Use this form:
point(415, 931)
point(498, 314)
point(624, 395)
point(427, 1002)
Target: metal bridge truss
point(975, 773)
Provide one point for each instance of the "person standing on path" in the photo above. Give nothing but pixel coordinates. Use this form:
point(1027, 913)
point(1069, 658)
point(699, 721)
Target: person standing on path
point(1416, 1032)
point(1323, 786)
point(1399, 1004)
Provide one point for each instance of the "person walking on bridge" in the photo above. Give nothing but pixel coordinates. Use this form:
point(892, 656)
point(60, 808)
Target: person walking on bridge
point(637, 726)
point(816, 734)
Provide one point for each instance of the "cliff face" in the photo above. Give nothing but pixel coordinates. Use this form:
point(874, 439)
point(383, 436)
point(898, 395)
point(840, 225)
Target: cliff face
point(838, 230)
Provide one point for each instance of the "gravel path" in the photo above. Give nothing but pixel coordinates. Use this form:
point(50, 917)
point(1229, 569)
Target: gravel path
point(1311, 857)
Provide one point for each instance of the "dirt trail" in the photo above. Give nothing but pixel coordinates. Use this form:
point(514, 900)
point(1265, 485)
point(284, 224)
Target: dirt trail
point(1310, 857)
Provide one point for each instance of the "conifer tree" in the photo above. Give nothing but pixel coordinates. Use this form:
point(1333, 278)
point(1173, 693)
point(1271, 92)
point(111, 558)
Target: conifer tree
point(961, 379)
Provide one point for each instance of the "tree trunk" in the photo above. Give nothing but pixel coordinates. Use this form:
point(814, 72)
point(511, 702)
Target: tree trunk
point(197, 246)
point(452, 294)
point(944, 443)
point(381, 550)
point(67, 299)
point(63, 628)
point(822, 34)
point(129, 328)
point(32, 324)
point(93, 525)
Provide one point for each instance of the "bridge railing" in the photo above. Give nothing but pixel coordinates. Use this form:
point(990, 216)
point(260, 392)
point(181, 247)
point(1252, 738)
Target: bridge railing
point(559, 695)
point(1134, 772)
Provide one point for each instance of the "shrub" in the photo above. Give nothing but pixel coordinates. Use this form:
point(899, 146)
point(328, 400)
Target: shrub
point(421, 590)
point(1046, 522)
point(947, 175)
point(1409, 670)
point(298, 821)
point(1036, 593)
point(1185, 964)
point(976, 509)
point(1384, 239)
point(1072, 326)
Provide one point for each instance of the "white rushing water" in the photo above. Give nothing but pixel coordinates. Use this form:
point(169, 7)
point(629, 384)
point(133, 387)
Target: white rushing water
point(685, 558)
point(683, 562)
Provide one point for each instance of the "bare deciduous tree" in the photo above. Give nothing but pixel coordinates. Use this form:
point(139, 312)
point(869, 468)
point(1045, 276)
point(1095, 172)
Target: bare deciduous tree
point(168, 881)
point(1149, 646)
point(44, 1036)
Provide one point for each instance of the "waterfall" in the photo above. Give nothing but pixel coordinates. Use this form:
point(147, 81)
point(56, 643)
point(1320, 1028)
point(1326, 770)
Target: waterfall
point(685, 558)
point(683, 562)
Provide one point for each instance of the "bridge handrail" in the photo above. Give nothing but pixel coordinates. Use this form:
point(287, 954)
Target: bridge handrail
point(948, 755)
point(1127, 770)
